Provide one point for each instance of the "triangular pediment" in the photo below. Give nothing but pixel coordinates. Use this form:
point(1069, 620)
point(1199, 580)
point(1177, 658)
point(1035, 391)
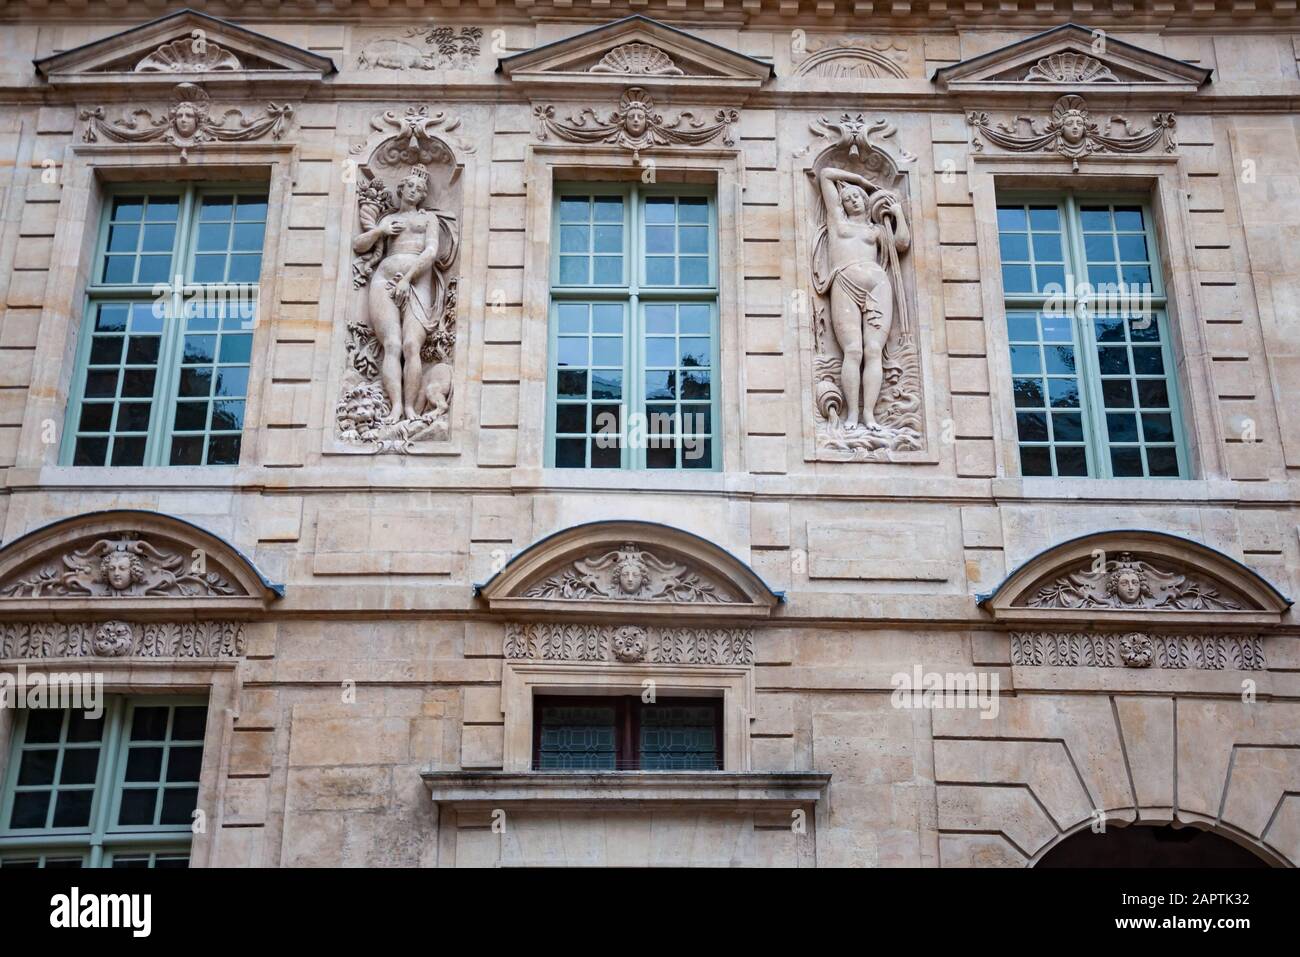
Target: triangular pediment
point(182, 46)
point(1072, 58)
point(636, 48)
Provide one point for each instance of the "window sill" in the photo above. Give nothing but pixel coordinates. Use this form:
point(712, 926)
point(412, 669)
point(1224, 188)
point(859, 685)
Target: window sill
point(465, 790)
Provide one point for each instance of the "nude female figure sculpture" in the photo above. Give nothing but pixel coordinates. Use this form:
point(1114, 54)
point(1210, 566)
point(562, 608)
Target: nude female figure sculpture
point(865, 231)
point(407, 290)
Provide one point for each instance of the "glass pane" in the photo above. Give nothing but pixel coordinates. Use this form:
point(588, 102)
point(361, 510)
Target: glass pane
point(576, 738)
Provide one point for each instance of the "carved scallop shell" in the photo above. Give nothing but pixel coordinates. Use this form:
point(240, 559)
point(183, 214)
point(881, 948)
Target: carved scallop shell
point(638, 59)
point(1070, 68)
point(179, 56)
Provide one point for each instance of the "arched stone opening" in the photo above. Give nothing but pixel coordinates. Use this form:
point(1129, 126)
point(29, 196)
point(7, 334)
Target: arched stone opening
point(1151, 845)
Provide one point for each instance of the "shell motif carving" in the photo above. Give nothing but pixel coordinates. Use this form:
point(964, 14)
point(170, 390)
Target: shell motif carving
point(187, 56)
point(1070, 68)
point(637, 59)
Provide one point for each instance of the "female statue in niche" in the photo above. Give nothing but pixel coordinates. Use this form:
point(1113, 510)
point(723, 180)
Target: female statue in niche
point(864, 234)
point(414, 246)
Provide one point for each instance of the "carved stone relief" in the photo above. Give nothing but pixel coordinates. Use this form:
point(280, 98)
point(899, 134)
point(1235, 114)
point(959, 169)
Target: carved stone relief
point(1070, 67)
point(629, 643)
point(1137, 650)
point(629, 573)
point(187, 123)
point(189, 55)
point(118, 639)
point(866, 365)
point(637, 59)
point(424, 48)
point(401, 333)
point(123, 567)
point(1071, 131)
point(636, 125)
point(1132, 583)
point(845, 58)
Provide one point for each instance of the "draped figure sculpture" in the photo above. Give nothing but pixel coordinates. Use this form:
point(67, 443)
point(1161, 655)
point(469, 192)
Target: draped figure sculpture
point(856, 268)
point(409, 249)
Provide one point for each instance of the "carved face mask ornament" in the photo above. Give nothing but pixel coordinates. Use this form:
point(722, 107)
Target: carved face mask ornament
point(119, 570)
point(630, 573)
point(1126, 584)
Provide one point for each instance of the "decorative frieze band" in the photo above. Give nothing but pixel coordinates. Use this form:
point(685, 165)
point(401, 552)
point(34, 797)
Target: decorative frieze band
point(629, 643)
point(120, 639)
point(1137, 650)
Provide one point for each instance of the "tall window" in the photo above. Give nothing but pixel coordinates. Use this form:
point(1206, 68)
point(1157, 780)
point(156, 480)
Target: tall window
point(621, 734)
point(1091, 362)
point(634, 320)
point(114, 791)
point(162, 371)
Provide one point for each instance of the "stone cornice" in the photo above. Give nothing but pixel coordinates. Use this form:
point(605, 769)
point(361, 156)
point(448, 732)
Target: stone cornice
point(466, 790)
point(1126, 14)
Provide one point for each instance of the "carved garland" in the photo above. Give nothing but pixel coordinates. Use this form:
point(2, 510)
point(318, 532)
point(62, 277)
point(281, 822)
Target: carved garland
point(1071, 131)
point(187, 123)
point(117, 639)
point(636, 125)
point(1200, 652)
point(629, 643)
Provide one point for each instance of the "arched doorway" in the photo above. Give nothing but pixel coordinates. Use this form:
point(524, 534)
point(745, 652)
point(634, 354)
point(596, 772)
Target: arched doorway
point(1150, 846)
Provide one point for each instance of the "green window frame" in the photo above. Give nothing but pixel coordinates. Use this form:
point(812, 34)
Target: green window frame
point(117, 791)
point(163, 360)
point(1092, 363)
point(633, 320)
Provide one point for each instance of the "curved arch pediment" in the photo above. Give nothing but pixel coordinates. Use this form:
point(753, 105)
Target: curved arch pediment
point(129, 560)
point(634, 568)
point(1135, 575)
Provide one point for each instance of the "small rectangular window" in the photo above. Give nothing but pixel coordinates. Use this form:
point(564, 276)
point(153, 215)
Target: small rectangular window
point(117, 790)
point(1091, 364)
point(163, 366)
point(634, 330)
point(625, 733)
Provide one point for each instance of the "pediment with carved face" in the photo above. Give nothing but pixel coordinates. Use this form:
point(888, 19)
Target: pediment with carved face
point(127, 561)
point(184, 46)
point(1139, 576)
point(1072, 58)
point(627, 568)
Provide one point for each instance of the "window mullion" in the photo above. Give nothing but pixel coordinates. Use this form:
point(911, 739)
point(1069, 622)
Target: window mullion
point(1086, 355)
point(634, 377)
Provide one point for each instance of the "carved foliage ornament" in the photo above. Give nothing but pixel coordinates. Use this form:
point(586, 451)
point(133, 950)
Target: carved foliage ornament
point(1132, 583)
point(866, 365)
point(118, 639)
point(629, 573)
point(400, 345)
point(187, 123)
point(636, 125)
point(444, 48)
point(1071, 131)
point(629, 643)
point(124, 567)
point(1137, 650)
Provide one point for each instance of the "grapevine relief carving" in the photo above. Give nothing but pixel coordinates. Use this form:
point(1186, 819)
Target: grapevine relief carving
point(541, 641)
point(119, 639)
point(1045, 649)
point(400, 343)
point(187, 123)
point(124, 567)
point(1071, 131)
point(1128, 582)
point(866, 365)
point(628, 573)
point(636, 125)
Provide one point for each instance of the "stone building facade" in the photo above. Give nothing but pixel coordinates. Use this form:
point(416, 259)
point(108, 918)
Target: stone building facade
point(374, 377)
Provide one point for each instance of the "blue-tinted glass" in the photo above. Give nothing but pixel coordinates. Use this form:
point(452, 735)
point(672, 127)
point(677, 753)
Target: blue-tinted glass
point(1047, 247)
point(1024, 359)
point(1022, 327)
point(1044, 218)
point(1029, 392)
point(1011, 217)
point(1017, 278)
point(1014, 247)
